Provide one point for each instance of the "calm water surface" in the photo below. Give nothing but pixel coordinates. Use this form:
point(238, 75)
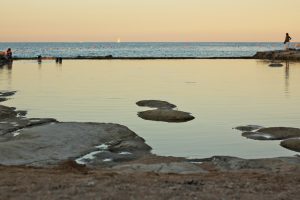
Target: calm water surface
point(221, 94)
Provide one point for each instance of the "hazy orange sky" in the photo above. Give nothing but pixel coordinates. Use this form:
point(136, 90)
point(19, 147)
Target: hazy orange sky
point(149, 20)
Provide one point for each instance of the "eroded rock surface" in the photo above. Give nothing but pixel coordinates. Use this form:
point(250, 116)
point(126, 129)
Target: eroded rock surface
point(7, 112)
point(273, 133)
point(291, 144)
point(248, 128)
point(156, 104)
point(12, 120)
point(53, 143)
point(164, 112)
point(4, 95)
point(14, 124)
point(291, 136)
point(7, 93)
point(45, 142)
point(166, 115)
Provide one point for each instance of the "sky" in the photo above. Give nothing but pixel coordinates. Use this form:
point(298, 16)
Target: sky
point(149, 20)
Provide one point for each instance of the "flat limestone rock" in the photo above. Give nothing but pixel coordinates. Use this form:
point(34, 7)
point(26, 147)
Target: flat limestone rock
point(7, 93)
point(12, 120)
point(156, 104)
point(166, 115)
point(3, 99)
point(273, 133)
point(248, 128)
point(53, 143)
point(7, 112)
point(13, 124)
point(275, 65)
point(291, 144)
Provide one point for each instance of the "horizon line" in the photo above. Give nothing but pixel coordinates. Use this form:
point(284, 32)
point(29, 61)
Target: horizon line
point(144, 42)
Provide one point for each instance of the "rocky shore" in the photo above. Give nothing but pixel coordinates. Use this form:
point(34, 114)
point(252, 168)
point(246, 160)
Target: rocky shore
point(3, 61)
point(42, 158)
point(292, 55)
point(290, 137)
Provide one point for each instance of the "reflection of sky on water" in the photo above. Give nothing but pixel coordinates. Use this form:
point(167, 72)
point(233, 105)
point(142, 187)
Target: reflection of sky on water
point(221, 94)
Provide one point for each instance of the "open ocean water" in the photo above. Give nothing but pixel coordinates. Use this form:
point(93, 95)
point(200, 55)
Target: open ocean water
point(132, 49)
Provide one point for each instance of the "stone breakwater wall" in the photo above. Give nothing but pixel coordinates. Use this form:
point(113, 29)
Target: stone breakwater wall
point(293, 55)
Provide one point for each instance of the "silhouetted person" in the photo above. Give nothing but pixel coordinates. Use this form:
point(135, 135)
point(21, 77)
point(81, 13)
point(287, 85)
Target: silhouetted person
point(39, 58)
point(8, 54)
point(287, 41)
point(58, 60)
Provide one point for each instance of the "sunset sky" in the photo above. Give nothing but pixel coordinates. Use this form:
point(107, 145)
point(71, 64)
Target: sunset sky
point(149, 20)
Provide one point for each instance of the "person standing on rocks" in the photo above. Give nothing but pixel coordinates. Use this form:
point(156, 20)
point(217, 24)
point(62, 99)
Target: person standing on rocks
point(287, 41)
point(8, 54)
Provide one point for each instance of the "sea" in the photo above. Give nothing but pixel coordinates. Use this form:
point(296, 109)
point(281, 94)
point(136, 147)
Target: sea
point(139, 49)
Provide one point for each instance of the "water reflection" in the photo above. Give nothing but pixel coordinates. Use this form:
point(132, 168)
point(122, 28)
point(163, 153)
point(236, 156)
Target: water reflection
point(40, 65)
point(7, 65)
point(287, 77)
point(6, 69)
point(227, 93)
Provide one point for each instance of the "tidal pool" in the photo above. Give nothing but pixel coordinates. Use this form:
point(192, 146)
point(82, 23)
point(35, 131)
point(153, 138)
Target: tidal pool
point(221, 94)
